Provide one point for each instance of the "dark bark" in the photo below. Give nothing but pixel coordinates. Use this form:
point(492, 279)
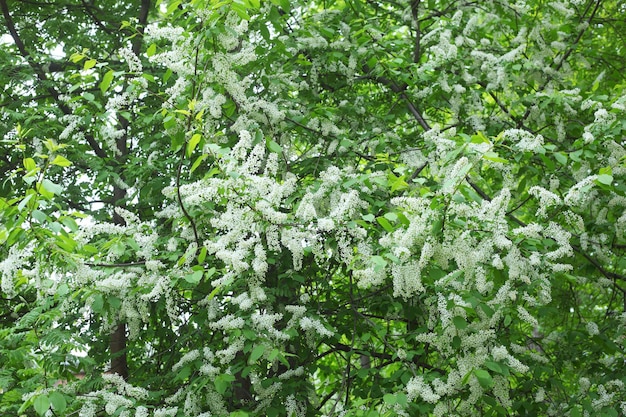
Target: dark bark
point(119, 361)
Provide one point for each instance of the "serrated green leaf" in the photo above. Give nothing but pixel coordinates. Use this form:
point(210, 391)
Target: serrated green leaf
point(459, 322)
point(493, 156)
point(456, 342)
point(151, 49)
point(389, 399)
point(29, 164)
point(193, 142)
point(273, 146)
point(202, 255)
point(257, 352)
point(24, 201)
point(90, 63)
point(385, 224)
point(98, 303)
point(48, 189)
point(605, 170)
point(183, 373)
point(480, 138)
point(605, 179)
point(222, 382)
point(39, 215)
point(58, 401)
point(368, 217)
point(62, 290)
point(77, 57)
point(61, 161)
point(379, 261)
point(106, 81)
point(41, 404)
point(392, 217)
point(561, 157)
point(484, 378)
point(494, 366)
point(194, 277)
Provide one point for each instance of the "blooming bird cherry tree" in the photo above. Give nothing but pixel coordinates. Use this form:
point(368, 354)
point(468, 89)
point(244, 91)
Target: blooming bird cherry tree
point(277, 208)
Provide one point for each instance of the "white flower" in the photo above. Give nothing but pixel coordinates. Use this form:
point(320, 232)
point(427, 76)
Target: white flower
point(592, 328)
point(308, 324)
point(524, 140)
point(134, 64)
point(416, 387)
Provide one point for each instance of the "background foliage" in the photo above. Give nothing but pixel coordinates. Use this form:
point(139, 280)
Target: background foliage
point(353, 208)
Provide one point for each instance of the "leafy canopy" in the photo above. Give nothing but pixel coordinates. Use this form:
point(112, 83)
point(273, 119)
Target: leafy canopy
point(290, 208)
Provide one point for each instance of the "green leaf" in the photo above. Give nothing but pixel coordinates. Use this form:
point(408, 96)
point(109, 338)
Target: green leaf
point(484, 378)
point(76, 57)
point(456, 342)
point(61, 161)
point(151, 49)
point(257, 352)
point(58, 401)
point(368, 217)
point(459, 322)
point(480, 138)
point(39, 215)
point(202, 255)
point(183, 373)
point(48, 188)
point(385, 224)
point(41, 404)
point(62, 290)
point(222, 382)
point(29, 164)
point(605, 170)
point(389, 399)
point(494, 366)
point(24, 201)
point(561, 158)
point(98, 303)
point(273, 146)
point(493, 156)
point(392, 217)
point(193, 142)
point(379, 262)
point(194, 277)
point(90, 63)
point(106, 81)
point(605, 179)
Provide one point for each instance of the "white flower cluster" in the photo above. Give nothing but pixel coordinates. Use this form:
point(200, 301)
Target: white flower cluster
point(16, 259)
point(500, 353)
point(265, 323)
point(133, 61)
point(592, 328)
point(228, 354)
point(294, 408)
point(524, 140)
point(418, 388)
point(309, 325)
point(546, 199)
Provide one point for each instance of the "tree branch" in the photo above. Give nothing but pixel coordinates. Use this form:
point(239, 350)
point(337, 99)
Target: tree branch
point(41, 75)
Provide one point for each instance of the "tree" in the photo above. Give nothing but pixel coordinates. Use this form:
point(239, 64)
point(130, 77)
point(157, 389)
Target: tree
point(238, 208)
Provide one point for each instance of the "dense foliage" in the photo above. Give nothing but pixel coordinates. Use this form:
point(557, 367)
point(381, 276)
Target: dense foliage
point(290, 208)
